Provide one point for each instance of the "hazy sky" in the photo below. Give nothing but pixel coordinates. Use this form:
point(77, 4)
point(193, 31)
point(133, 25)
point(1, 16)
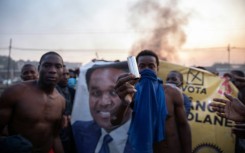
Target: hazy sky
point(110, 29)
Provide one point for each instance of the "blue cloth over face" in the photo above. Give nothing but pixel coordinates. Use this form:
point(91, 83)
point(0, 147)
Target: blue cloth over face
point(149, 113)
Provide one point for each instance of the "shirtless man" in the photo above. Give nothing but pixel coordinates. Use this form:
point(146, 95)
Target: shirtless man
point(175, 78)
point(33, 109)
point(177, 130)
point(29, 72)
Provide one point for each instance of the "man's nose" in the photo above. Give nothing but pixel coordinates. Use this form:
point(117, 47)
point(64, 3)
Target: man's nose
point(105, 100)
point(53, 69)
point(28, 74)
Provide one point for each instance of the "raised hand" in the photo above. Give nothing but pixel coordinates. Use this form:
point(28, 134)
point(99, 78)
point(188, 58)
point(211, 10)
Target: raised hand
point(125, 87)
point(230, 108)
point(125, 90)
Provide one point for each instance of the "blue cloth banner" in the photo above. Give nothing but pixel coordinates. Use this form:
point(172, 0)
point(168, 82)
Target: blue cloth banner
point(149, 113)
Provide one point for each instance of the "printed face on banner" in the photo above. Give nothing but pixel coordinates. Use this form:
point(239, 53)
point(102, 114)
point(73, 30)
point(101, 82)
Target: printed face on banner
point(102, 96)
point(95, 100)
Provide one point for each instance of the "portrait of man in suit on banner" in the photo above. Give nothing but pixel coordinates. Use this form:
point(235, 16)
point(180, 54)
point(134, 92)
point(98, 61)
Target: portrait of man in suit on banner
point(95, 100)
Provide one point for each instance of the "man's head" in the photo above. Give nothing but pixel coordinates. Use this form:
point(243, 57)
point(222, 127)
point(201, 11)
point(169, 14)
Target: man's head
point(64, 79)
point(234, 74)
point(29, 72)
point(103, 99)
point(72, 73)
point(228, 76)
point(50, 69)
point(238, 73)
point(175, 77)
point(147, 59)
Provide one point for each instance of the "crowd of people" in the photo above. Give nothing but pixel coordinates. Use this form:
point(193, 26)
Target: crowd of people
point(130, 115)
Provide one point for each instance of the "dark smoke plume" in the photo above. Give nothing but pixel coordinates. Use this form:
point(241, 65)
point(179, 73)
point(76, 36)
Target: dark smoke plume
point(160, 26)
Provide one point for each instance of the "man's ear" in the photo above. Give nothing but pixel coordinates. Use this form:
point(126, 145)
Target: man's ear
point(181, 84)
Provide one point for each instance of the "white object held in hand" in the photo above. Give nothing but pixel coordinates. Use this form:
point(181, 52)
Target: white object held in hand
point(133, 67)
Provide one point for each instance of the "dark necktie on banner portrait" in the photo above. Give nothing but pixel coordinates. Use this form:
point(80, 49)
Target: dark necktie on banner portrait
point(105, 148)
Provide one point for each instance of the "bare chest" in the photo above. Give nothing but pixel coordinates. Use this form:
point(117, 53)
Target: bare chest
point(38, 108)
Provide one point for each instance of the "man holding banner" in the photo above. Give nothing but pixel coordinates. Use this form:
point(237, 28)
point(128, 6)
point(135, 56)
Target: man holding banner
point(175, 136)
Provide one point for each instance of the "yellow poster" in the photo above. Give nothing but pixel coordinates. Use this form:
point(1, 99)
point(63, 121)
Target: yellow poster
point(210, 133)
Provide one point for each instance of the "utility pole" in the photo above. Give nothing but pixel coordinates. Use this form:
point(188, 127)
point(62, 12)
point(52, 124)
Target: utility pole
point(228, 49)
point(9, 57)
point(229, 62)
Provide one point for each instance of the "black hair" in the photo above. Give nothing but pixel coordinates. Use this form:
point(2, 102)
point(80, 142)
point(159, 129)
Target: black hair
point(118, 65)
point(180, 74)
point(201, 67)
point(148, 53)
point(28, 65)
point(49, 53)
point(238, 73)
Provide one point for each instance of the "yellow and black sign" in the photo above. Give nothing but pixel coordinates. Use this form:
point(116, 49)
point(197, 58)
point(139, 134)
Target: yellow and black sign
point(210, 133)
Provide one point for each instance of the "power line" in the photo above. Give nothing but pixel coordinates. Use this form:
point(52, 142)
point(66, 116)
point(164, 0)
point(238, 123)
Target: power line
point(120, 51)
point(67, 50)
point(214, 49)
point(74, 50)
point(76, 33)
point(111, 50)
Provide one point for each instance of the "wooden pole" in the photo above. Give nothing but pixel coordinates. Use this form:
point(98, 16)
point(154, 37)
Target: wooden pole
point(9, 57)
